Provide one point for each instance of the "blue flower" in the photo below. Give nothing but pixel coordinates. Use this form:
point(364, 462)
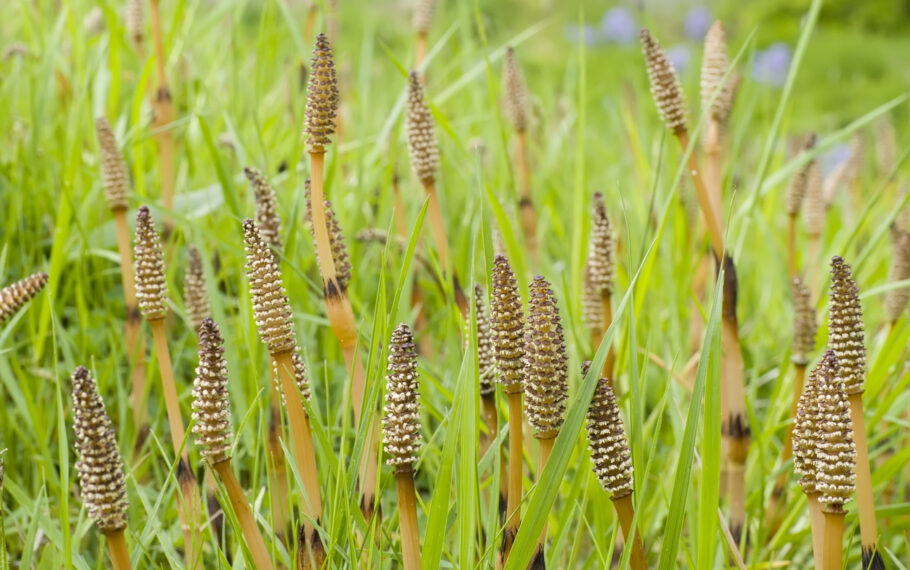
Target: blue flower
point(772, 65)
point(834, 157)
point(619, 26)
point(679, 56)
point(698, 20)
point(587, 34)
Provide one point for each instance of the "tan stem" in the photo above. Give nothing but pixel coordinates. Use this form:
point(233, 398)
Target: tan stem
point(421, 323)
point(135, 344)
point(168, 386)
point(421, 51)
point(491, 416)
point(546, 446)
point(712, 218)
point(252, 537)
point(116, 545)
point(834, 541)
point(736, 434)
point(164, 115)
point(607, 310)
point(625, 511)
point(791, 246)
point(278, 473)
point(317, 204)
point(817, 522)
point(437, 224)
point(407, 519)
point(310, 24)
point(525, 202)
point(814, 251)
point(714, 164)
point(513, 510)
point(736, 481)
point(865, 501)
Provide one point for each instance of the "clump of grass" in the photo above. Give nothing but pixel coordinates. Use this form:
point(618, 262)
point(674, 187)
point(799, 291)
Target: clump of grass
point(422, 21)
point(896, 299)
point(545, 378)
point(100, 468)
point(15, 295)
point(274, 320)
point(507, 324)
point(151, 293)
point(612, 461)
point(601, 273)
point(213, 432)
point(401, 436)
point(516, 109)
point(846, 337)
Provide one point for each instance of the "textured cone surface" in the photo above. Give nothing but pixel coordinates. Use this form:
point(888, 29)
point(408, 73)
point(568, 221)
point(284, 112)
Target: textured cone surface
point(99, 466)
point(516, 93)
point(113, 168)
point(271, 307)
point(896, 299)
point(195, 296)
point(151, 287)
point(835, 452)
point(507, 324)
point(816, 208)
point(665, 86)
point(300, 375)
point(14, 296)
point(267, 218)
point(340, 255)
point(796, 191)
point(401, 424)
point(601, 264)
point(485, 355)
point(713, 67)
point(134, 17)
point(805, 324)
point(591, 308)
point(546, 363)
point(422, 145)
point(211, 403)
point(322, 97)
point(808, 418)
point(846, 335)
point(423, 15)
point(607, 438)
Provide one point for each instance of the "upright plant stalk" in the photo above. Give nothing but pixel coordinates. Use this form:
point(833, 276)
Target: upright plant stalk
point(846, 337)
point(422, 22)
point(134, 26)
point(213, 433)
point(896, 299)
point(612, 461)
point(804, 330)
point(814, 214)
point(601, 273)
point(546, 380)
point(14, 296)
point(151, 292)
point(668, 97)
point(507, 323)
point(274, 320)
point(796, 194)
point(100, 468)
point(164, 116)
point(516, 109)
point(116, 190)
point(401, 436)
point(321, 109)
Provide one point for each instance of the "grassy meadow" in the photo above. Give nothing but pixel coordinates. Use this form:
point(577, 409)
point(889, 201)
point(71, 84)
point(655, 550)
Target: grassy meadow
point(237, 72)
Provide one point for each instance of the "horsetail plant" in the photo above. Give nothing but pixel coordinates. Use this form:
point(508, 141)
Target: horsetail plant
point(717, 101)
point(507, 324)
point(516, 109)
point(340, 255)
point(151, 293)
point(896, 298)
point(796, 193)
point(601, 272)
point(612, 461)
point(134, 25)
point(163, 107)
point(274, 320)
point(100, 467)
point(804, 444)
point(212, 432)
point(14, 296)
point(401, 436)
point(814, 214)
point(266, 209)
point(546, 379)
point(668, 97)
point(422, 21)
point(846, 337)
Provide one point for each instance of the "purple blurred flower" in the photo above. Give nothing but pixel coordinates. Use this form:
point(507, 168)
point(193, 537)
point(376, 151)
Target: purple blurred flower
point(698, 20)
point(619, 26)
point(587, 34)
point(772, 65)
point(834, 157)
point(680, 56)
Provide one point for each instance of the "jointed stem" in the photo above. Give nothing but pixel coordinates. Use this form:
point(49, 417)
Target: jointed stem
point(625, 511)
point(526, 203)
point(252, 537)
point(116, 545)
point(864, 499)
point(407, 519)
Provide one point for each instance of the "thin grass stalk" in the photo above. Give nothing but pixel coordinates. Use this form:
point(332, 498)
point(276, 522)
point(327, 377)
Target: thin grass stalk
point(252, 537)
point(163, 106)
